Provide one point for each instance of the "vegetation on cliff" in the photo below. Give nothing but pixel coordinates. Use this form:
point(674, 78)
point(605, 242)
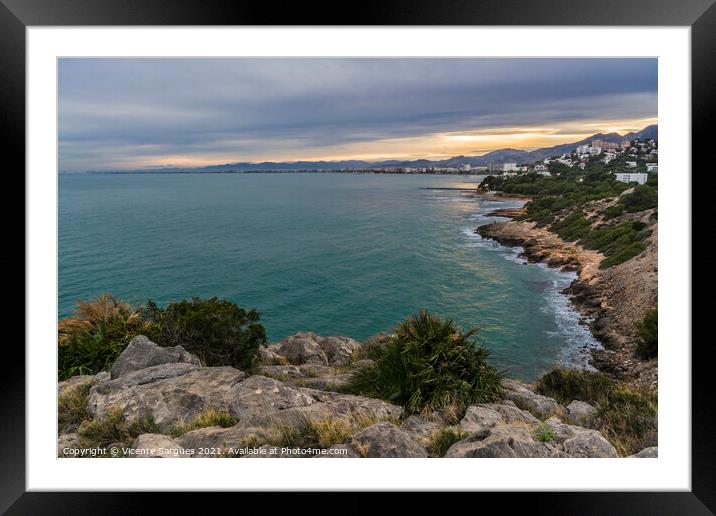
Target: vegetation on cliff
point(217, 331)
point(560, 202)
point(427, 364)
point(626, 417)
point(649, 333)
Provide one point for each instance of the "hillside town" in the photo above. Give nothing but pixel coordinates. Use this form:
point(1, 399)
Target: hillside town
point(631, 161)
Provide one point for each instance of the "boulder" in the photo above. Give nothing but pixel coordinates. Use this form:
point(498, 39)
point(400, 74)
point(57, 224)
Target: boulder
point(268, 357)
point(419, 428)
point(259, 396)
point(500, 442)
point(66, 441)
point(302, 348)
point(102, 376)
point(647, 453)
point(346, 452)
point(479, 418)
point(156, 446)
point(511, 413)
point(168, 393)
point(525, 398)
point(339, 350)
point(589, 443)
point(385, 440)
point(234, 441)
point(281, 372)
point(74, 382)
point(581, 413)
point(142, 353)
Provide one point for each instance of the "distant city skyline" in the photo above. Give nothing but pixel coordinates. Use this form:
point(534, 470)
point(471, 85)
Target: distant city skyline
point(133, 113)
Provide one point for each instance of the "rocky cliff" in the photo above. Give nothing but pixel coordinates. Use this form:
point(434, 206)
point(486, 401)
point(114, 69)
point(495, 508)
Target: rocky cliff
point(161, 402)
point(612, 300)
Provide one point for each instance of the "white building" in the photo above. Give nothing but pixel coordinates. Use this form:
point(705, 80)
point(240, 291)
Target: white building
point(544, 173)
point(540, 168)
point(510, 173)
point(631, 177)
point(465, 168)
point(631, 164)
point(652, 167)
point(583, 149)
point(509, 166)
point(595, 151)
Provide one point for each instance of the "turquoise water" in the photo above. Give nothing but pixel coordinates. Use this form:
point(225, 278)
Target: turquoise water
point(338, 254)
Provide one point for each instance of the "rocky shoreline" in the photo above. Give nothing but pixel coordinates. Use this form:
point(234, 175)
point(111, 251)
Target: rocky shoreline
point(612, 300)
point(161, 402)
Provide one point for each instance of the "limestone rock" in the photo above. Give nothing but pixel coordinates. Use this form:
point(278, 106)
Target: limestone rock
point(268, 357)
point(168, 393)
point(500, 442)
point(581, 413)
point(156, 446)
point(142, 353)
point(385, 440)
point(73, 383)
point(339, 350)
point(302, 348)
point(419, 428)
point(511, 413)
point(525, 398)
point(647, 453)
point(102, 376)
point(589, 443)
point(65, 441)
point(479, 418)
point(259, 395)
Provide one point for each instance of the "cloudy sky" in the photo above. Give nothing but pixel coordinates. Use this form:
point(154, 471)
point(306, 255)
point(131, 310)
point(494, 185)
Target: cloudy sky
point(141, 113)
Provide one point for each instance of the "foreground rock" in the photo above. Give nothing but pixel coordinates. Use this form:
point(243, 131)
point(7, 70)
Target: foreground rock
point(276, 412)
point(309, 348)
point(385, 440)
point(155, 446)
point(142, 353)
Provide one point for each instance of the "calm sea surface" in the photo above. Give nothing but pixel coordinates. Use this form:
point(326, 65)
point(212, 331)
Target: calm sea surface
point(338, 254)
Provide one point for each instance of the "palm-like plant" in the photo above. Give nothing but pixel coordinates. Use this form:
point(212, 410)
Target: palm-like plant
point(427, 364)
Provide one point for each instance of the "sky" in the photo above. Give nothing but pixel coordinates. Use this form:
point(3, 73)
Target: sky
point(134, 113)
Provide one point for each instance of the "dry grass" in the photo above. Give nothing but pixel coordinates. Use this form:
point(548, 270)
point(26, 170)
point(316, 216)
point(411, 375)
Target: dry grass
point(113, 429)
point(441, 440)
point(205, 419)
point(72, 408)
point(100, 309)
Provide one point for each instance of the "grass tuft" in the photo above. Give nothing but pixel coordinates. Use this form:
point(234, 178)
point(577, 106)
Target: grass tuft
point(442, 440)
point(206, 419)
point(427, 364)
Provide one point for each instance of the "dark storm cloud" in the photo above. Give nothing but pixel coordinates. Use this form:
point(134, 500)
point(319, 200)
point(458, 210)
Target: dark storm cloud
point(114, 108)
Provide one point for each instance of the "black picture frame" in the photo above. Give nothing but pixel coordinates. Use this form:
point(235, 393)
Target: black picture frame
point(700, 15)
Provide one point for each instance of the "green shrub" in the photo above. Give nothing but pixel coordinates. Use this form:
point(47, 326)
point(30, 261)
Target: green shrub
point(442, 440)
point(626, 417)
point(428, 364)
point(644, 197)
point(649, 332)
point(217, 331)
point(567, 385)
point(544, 433)
point(573, 227)
point(614, 211)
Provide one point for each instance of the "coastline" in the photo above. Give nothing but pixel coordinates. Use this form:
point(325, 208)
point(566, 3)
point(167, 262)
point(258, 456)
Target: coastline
point(611, 299)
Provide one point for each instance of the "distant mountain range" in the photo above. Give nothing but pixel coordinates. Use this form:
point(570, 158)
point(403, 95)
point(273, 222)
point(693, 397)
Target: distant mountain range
point(498, 156)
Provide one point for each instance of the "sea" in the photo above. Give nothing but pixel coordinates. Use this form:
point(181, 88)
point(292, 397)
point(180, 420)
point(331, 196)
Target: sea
point(334, 253)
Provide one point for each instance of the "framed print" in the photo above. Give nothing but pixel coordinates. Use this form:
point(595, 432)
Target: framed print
point(433, 242)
